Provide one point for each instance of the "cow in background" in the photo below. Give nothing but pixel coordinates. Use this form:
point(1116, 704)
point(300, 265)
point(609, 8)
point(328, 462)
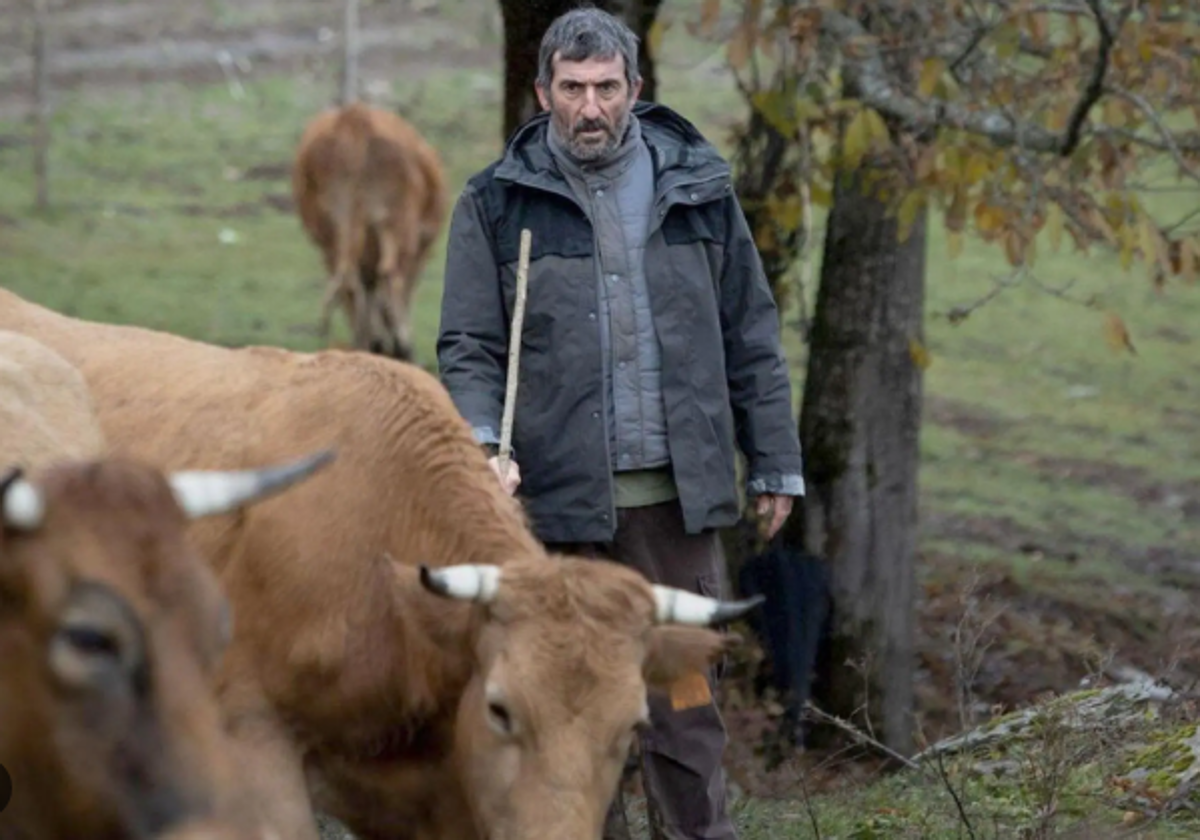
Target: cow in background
point(371, 195)
point(111, 624)
point(408, 658)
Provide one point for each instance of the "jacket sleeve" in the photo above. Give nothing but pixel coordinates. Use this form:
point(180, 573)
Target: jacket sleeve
point(472, 338)
point(756, 368)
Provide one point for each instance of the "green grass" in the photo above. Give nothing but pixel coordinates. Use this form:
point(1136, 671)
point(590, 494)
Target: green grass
point(145, 181)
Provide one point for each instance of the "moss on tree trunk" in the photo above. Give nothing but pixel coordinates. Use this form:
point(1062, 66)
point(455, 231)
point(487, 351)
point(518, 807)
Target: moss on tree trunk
point(859, 427)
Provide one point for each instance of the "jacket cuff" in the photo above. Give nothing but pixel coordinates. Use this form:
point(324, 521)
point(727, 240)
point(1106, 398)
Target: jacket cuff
point(485, 435)
point(790, 484)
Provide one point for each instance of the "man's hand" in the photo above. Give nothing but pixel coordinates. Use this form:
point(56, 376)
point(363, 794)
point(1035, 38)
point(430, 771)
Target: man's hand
point(772, 512)
point(510, 480)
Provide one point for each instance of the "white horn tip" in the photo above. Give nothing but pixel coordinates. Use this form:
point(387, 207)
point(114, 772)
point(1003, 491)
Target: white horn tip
point(675, 606)
point(23, 505)
point(465, 582)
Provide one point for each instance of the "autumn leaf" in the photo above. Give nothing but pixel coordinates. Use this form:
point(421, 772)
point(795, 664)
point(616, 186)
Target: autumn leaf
point(909, 211)
point(654, 37)
point(778, 108)
point(786, 213)
point(919, 353)
point(1117, 334)
point(931, 71)
point(1054, 226)
point(1007, 38)
point(709, 13)
point(954, 243)
point(1188, 258)
point(857, 140)
point(740, 45)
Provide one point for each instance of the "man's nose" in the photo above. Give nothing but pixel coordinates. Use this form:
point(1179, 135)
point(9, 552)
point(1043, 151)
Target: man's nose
point(591, 104)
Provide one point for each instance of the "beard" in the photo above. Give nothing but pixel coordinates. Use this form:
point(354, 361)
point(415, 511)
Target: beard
point(587, 147)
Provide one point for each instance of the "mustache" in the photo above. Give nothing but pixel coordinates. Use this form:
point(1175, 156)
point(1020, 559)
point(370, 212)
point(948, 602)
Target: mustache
point(592, 125)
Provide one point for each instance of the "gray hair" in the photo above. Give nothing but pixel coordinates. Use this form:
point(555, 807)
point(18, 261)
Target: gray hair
point(585, 33)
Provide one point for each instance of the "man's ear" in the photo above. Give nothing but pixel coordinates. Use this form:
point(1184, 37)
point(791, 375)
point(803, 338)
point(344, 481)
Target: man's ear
point(542, 95)
point(676, 650)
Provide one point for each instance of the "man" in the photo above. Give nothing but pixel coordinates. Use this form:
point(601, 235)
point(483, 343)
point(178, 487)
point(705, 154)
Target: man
point(650, 346)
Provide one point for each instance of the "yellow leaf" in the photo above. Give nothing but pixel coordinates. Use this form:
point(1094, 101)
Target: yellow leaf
point(1188, 258)
point(1126, 237)
point(1054, 226)
point(1150, 242)
point(1007, 39)
point(738, 50)
point(1114, 114)
point(1014, 248)
point(786, 213)
point(978, 166)
point(989, 218)
point(876, 128)
point(857, 140)
point(654, 37)
point(821, 196)
point(778, 109)
point(931, 71)
point(919, 354)
point(954, 243)
point(709, 13)
point(1117, 334)
point(908, 213)
point(1146, 50)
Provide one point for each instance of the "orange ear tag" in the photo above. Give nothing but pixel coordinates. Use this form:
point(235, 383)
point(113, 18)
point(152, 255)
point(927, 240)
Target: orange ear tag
point(690, 692)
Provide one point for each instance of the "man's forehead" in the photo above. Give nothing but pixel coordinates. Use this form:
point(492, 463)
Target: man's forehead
point(592, 70)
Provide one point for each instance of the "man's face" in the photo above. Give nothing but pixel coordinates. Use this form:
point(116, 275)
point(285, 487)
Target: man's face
point(590, 101)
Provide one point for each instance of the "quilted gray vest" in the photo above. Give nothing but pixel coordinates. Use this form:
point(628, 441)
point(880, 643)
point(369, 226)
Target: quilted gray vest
point(617, 194)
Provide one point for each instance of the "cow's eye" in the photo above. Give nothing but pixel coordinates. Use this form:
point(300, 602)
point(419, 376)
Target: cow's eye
point(97, 637)
point(92, 641)
point(499, 718)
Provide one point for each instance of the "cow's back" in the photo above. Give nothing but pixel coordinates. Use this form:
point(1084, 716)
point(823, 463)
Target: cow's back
point(45, 408)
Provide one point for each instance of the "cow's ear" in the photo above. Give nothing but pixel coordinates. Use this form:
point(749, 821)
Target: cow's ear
point(676, 650)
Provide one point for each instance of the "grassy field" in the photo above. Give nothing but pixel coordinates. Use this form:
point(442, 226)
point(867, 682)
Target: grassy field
point(1057, 471)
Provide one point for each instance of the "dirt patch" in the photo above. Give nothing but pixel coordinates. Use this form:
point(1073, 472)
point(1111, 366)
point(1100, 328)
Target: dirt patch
point(970, 420)
point(1007, 534)
point(1133, 482)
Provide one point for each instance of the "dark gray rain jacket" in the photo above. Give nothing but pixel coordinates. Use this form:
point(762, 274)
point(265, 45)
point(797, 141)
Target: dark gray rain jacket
point(724, 375)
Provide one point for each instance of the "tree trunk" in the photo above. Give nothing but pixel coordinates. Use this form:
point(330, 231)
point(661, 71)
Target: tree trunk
point(525, 21)
point(859, 427)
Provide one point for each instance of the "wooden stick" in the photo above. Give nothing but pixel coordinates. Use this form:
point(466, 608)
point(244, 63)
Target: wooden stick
point(514, 352)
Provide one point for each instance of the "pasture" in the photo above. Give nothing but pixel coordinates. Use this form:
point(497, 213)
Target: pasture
point(1058, 479)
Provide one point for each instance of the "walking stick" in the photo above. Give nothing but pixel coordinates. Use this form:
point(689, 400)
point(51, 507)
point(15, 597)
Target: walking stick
point(514, 353)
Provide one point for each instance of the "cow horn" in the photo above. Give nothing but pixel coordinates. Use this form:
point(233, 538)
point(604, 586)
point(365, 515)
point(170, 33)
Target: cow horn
point(463, 582)
point(210, 492)
point(24, 507)
point(675, 606)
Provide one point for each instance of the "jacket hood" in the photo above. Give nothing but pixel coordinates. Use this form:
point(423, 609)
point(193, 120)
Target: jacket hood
point(673, 140)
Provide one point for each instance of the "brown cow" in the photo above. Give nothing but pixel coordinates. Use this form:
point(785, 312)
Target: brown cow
point(111, 624)
point(500, 706)
point(371, 195)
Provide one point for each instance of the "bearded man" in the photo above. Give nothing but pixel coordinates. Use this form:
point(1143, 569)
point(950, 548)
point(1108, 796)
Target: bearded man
point(650, 350)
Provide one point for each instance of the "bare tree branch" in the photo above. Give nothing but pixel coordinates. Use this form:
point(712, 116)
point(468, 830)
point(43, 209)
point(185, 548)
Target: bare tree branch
point(1168, 139)
point(875, 86)
point(1095, 85)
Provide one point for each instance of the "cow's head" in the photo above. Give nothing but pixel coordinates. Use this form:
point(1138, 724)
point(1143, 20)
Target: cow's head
point(111, 626)
point(566, 650)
